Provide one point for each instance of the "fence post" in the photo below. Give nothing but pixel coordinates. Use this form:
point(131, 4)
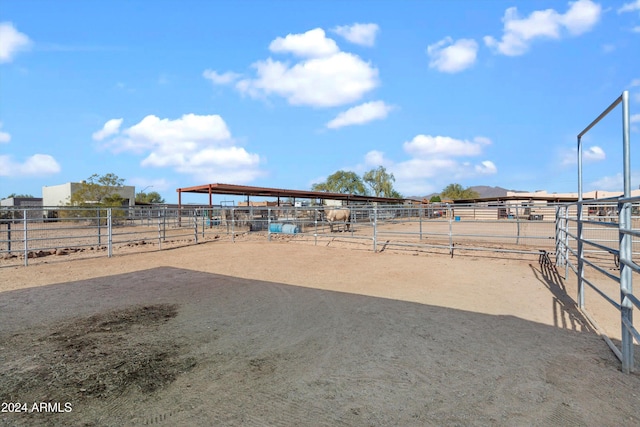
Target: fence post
point(626, 306)
point(557, 236)
point(9, 235)
point(580, 258)
point(566, 242)
point(233, 225)
point(99, 231)
point(375, 227)
point(517, 226)
point(164, 224)
point(26, 244)
point(450, 230)
point(352, 216)
point(268, 224)
point(110, 232)
point(159, 232)
point(315, 226)
point(195, 225)
point(420, 213)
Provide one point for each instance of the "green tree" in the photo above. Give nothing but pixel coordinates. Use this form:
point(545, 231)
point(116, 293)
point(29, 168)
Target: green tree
point(381, 182)
point(345, 182)
point(152, 197)
point(435, 199)
point(455, 192)
point(98, 191)
point(395, 195)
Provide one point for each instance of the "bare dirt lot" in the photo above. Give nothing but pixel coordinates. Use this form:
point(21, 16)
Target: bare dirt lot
point(286, 333)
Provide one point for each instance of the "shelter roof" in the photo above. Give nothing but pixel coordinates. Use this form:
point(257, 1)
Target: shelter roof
point(245, 190)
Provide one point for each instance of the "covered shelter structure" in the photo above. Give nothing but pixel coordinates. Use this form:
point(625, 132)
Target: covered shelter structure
point(278, 193)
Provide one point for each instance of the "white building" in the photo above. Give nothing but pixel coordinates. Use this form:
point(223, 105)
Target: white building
point(60, 195)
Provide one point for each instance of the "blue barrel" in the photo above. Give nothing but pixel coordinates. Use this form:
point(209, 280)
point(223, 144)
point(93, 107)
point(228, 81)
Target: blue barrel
point(275, 227)
point(289, 229)
point(457, 218)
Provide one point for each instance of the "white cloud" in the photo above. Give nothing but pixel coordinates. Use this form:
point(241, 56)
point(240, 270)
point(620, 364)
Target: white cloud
point(636, 29)
point(111, 127)
point(189, 129)
point(591, 154)
point(361, 34)
point(200, 146)
point(4, 136)
point(519, 33)
point(329, 81)
point(486, 167)
point(312, 44)
point(36, 165)
point(325, 76)
point(375, 158)
point(427, 145)
point(594, 154)
point(630, 7)
point(581, 17)
point(11, 42)
point(221, 79)
point(419, 176)
point(452, 57)
point(361, 114)
point(433, 163)
point(635, 118)
point(482, 140)
point(616, 182)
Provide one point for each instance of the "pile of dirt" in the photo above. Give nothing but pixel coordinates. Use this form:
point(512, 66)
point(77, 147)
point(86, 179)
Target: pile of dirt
point(101, 356)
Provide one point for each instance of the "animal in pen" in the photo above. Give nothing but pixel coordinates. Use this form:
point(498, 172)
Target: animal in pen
point(607, 214)
point(335, 216)
point(234, 217)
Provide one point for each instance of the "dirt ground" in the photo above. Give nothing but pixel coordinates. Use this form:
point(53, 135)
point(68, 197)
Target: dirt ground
point(286, 333)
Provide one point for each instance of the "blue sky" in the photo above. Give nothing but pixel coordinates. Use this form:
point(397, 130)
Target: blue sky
point(169, 94)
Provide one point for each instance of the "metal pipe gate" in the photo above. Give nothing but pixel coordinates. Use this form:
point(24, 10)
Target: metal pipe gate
point(586, 243)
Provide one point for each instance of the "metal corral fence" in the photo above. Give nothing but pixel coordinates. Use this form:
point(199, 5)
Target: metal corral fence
point(448, 228)
point(600, 242)
point(26, 234)
point(592, 233)
point(34, 233)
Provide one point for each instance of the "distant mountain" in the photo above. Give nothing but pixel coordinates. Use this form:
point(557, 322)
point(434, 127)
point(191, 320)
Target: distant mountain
point(482, 190)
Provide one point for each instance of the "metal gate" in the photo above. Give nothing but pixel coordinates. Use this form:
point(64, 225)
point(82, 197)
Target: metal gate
point(586, 242)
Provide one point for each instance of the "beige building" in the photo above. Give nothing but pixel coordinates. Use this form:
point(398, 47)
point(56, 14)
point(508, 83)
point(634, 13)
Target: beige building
point(538, 205)
point(596, 194)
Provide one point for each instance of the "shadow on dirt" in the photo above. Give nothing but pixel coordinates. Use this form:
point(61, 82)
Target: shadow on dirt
point(180, 347)
point(566, 314)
